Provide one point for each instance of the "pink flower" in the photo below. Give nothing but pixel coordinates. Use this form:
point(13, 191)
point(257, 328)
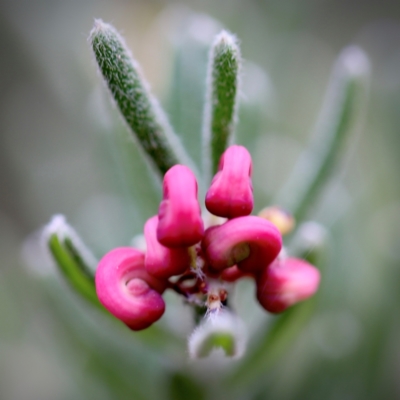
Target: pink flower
point(160, 261)
point(180, 223)
point(286, 282)
point(126, 290)
point(129, 283)
point(231, 192)
point(250, 242)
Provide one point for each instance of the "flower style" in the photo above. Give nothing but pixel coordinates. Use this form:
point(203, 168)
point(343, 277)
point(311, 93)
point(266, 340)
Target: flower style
point(130, 284)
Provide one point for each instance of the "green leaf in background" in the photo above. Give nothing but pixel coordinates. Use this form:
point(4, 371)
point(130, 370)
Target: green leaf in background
point(183, 387)
point(334, 125)
point(280, 335)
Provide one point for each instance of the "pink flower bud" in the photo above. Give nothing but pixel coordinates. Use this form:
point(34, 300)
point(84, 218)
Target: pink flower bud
point(126, 290)
point(231, 192)
point(160, 261)
point(250, 242)
point(179, 215)
point(286, 282)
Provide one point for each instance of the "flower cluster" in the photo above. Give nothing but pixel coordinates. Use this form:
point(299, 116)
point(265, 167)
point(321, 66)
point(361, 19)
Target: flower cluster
point(195, 257)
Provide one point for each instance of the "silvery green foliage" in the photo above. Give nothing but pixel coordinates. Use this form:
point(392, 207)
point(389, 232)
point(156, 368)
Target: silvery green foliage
point(220, 112)
point(131, 93)
point(73, 258)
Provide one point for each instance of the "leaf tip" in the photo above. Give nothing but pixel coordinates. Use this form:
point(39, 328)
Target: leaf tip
point(355, 61)
point(226, 39)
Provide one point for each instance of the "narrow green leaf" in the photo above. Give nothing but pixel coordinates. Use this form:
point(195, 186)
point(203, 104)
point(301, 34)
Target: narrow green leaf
point(139, 108)
point(72, 257)
point(71, 270)
point(221, 100)
point(316, 164)
point(78, 258)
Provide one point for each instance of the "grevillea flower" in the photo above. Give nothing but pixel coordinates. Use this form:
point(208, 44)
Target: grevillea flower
point(127, 290)
point(160, 261)
point(179, 215)
point(248, 242)
point(130, 283)
point(231, 192)
point(286, 282)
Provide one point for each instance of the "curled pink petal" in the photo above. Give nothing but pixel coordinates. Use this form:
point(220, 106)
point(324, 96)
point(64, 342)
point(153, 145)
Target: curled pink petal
point(285, 283)
point(250, 242)
point(160, 261)
point(126, 290)
point(179, 215)
point(231, 192)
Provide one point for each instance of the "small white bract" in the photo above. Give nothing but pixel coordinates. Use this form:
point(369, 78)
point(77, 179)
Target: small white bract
point(59, 226)
point(219, 330)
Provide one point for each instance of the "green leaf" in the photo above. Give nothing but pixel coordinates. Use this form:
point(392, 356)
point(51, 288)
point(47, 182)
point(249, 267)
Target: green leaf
point(221, 100)
point(183, 387)
point(78, 258)
point(316, 165)
point(72, 257)
point(72, 271)
point(139, 108)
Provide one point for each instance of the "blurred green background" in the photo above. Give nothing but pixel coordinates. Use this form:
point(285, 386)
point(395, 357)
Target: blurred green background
point(65, 150)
